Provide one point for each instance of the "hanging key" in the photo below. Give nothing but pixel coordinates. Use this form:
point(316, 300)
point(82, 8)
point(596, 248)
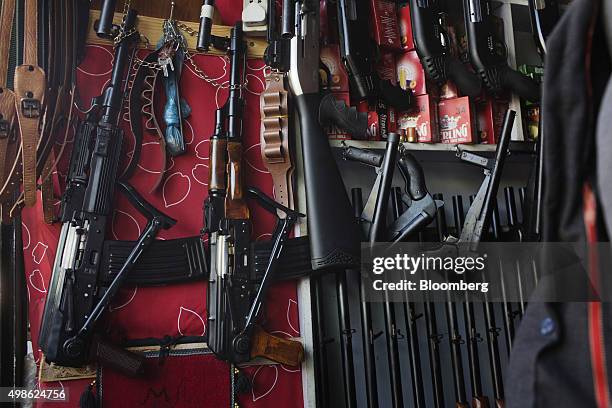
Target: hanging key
point(166, 55)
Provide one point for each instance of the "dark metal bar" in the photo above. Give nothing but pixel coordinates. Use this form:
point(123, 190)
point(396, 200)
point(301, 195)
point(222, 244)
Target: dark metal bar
point(410, 318)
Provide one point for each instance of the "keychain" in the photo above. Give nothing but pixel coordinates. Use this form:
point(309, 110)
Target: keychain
point(171, 56)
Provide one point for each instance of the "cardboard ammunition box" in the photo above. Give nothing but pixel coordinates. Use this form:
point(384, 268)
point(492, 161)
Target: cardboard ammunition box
point(410, 73)
point(456, 121)
point(385, 25)
point(449, 90)
point(532, 123)
point(424, 119)
point(386, 67)
point(382, 121)
point(334, 132)
point(490, 114)
point(405, 27)
point(339, 82)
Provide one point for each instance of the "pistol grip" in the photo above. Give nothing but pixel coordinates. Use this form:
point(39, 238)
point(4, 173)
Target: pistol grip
point(120, 359)
point(284, 351)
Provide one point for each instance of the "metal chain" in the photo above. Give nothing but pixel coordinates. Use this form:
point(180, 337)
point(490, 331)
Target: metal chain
point(170, 34)
point(199, 73)
point(122, 34)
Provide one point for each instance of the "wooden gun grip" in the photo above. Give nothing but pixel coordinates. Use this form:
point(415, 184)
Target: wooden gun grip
point(288, 352)
point(216, 179)
point(480, 402)
point(235, 204)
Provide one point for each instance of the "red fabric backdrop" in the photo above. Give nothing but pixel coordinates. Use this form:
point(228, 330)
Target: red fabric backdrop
point(156, 312)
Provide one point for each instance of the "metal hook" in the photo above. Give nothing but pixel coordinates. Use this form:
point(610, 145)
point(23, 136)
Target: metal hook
point(172, 4)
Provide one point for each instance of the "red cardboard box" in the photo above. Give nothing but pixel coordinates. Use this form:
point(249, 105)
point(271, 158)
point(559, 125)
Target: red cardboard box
point(410, 73)
point(456, 121)
point(405, 27)
point(386, 67)
point(424, 119)
point(385, 24)
point(332, 131)
point(490, 113)
point(330, 55)
point(449, 90)
point(382, 121)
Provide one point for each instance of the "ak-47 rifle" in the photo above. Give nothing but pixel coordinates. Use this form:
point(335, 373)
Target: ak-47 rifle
point(432, 45)
point(235, 294)
point(488, 53)
point(76, 298)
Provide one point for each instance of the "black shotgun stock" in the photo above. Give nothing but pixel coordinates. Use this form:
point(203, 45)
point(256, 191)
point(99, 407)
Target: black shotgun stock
point(334, 233)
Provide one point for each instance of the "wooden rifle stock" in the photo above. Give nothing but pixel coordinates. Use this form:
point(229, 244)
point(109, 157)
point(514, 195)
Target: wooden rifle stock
point(235, 203)
point(284, 351)
point(216, 175)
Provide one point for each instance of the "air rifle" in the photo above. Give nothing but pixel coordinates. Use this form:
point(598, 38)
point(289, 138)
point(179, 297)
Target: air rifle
point(423, 207)
point(488, 53)
point(432, 45)
point(454, 335)
point(76, 300)
point(235, 294)
point(358, 53)
point(544, 15)
point(410, 320)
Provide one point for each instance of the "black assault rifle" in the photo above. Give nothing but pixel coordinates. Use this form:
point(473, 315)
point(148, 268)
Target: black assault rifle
point(77, 298)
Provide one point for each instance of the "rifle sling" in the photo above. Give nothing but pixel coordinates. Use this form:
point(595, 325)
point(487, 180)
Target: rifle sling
point(184, 260)
point(30, 88)
point(29, 91)
point(7, 97)
point(274, 138)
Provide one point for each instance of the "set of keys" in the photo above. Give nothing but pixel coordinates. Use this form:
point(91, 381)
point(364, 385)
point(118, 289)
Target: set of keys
point(172, 42)
point(166, 55)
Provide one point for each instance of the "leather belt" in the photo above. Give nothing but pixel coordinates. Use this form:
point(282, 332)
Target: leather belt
point(274, 138)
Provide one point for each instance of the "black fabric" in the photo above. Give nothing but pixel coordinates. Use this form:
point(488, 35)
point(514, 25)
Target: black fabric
point(554, 369)
point(567, 113)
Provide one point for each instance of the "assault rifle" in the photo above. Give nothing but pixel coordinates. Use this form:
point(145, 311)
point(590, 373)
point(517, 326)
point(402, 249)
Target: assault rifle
point(235, 294)
point(76, 298)
point(432, 45)
point(488, 53)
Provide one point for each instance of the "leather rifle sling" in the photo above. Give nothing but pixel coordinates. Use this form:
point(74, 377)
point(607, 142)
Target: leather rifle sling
point(7, 97)
point(30, 90)
point(44, 152)
point(62, 24)
point(274, 138)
